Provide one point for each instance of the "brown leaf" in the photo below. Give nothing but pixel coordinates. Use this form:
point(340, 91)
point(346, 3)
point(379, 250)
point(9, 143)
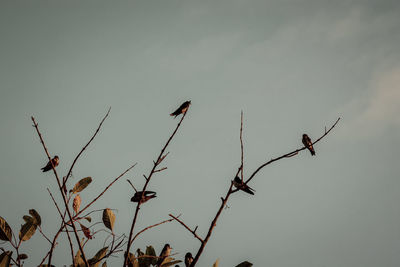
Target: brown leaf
point(82, 184)
point(77, 203)
point(22, 256)
point(108, 218)
point(5, 230)
point(5, 259)
point(35, 216)
point(86, 231)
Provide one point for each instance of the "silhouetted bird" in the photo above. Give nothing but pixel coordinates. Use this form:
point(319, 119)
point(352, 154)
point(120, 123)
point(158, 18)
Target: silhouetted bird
point(146, 196)
point(182, 109)
point(166, 251)
point(237, 182)
point(188, 259)
point(308, 144)
point(55, 162)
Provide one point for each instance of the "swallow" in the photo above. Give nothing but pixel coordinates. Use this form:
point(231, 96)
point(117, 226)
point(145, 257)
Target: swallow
point(308, 144)
point(146, 196)
point(188, 259)
point(165, 252)
point(55, 162)
point(242, 186)
point(182, 109)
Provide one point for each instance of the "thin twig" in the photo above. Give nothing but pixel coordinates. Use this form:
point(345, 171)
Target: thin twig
point(94, 200)
point(158, 161)
point(149, 227)
point(129, 181)
point(290, 153)
point(187, 227)
point(61, 190)
point(241, 143)
point(83, 149)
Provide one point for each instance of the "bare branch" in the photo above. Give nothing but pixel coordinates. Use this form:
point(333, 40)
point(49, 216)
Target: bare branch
point(83, 149)
point(61, 190)
point(187, 227)
point(241, 143)
point(290, 154)
point(149, 227)
point(129, 243)
point(160, 170)
point(94, 200)
point(131, 185)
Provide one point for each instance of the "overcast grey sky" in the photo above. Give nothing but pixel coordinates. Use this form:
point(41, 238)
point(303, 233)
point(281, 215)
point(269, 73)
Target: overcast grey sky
point(293, 67)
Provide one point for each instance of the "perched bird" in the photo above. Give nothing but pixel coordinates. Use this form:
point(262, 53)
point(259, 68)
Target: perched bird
point(55, 162)
point(182, 109)
point(237, 182)
point(165, 252)
point(308, 144)
point(188, 259)
point(146, 196)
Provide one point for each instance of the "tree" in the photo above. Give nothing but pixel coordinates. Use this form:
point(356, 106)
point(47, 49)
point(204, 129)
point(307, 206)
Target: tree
point(75, 221)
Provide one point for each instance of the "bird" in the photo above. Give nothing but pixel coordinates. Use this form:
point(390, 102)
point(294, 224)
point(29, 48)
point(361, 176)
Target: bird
point(238, 183)
point(188, 259)
point(55, 162)
point(146, 196)
point(182, 109)
point(165, 252)
point(308, 144)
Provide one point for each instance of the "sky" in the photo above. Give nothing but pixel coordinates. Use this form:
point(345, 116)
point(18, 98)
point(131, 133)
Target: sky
point(292, 67)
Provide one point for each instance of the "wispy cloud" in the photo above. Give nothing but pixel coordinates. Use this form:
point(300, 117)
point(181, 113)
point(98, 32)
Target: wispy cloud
point(377, 110)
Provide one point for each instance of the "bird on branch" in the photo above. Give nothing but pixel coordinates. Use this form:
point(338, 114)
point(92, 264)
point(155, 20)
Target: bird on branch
point(308, 144)
point(182, 109)
point(146, 196)
point(166, 251)
point(238, 183)
point(48, 167)
point(188, 259)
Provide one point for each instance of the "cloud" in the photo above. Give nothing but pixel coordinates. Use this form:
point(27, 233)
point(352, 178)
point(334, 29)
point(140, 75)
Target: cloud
point(377, 110)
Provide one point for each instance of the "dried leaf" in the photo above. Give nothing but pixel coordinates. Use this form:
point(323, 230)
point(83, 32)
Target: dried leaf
point(82, 184)
point(76, 204)
point(170, 262)
point(86, 231)
point(28, 219)
point(78, 260)
point(35, 216)
point(104, 264)
point(216, 263)
point(245, 264)
point(151, 252)
point(95, 261)
point(22, 256)
point(5, 259)
point(5, 230)
point(27, 231)
point(108, 218)
point(88, 219)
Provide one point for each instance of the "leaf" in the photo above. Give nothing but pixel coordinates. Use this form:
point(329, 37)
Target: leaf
point(245, 264)
point(170, 263)
point(108, 218)
point(95, 261)
point(22, 256)
point(88, 219)
point(27, 231)
point(132, 262)
point(46, 265)
point(216, 263)
point(5, 258)
point(35, 216)
point(28, 219)
point(78, 260)
point(82, 184)
point(86, 231)
point(5, 230)
point(104, 264)
point(76, 203)
point(151, 252)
